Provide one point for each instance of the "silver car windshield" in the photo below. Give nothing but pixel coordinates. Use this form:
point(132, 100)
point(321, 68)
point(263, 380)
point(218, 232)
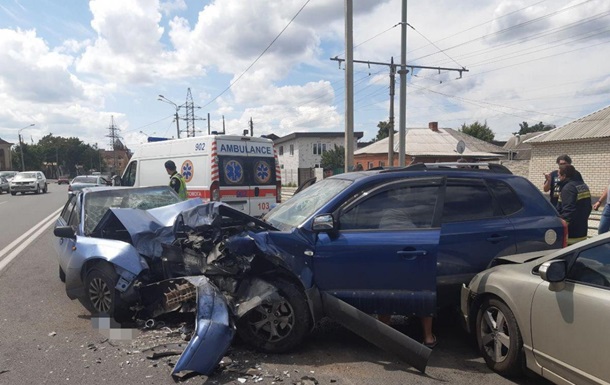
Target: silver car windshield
point(96, 203)
point(303, 205)
point(85, 179)
point(26, 175)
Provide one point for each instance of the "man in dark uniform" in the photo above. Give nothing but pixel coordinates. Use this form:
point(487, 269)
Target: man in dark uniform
point(552, 184)
point(176, 180)
point(574, 204)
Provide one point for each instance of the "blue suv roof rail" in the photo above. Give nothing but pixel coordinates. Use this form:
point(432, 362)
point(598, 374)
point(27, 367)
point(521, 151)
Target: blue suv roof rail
point(455, 166)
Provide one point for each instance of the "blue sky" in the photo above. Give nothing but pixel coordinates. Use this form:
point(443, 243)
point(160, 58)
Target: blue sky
point(69, 66)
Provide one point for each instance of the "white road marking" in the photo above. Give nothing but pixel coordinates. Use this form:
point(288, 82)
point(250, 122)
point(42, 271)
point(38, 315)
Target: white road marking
point(31, 234)
point(1, 203)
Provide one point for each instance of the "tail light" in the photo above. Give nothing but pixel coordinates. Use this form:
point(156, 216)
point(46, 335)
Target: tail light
point(278, 192)
point(565, 233)
point(215, 191)
point(69, 187)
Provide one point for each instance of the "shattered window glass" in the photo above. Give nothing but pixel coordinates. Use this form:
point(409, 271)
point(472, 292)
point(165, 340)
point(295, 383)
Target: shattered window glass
point(99, 201)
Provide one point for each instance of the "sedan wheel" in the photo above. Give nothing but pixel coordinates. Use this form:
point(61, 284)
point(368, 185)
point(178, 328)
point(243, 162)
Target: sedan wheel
point(278, 325)
point(99, 292)
point(101, 297)
point(499, 338)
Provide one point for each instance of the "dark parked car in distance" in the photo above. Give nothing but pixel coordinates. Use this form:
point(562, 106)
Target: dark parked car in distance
point(8, 174)
point(4, 186)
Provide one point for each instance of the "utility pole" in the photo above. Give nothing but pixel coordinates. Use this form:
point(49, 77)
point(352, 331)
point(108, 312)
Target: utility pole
point(251, 127)
point(402, 129)
point(391, 132)
point(209, 123)
point(349, 86)
point(21, 148)
point(163, 99)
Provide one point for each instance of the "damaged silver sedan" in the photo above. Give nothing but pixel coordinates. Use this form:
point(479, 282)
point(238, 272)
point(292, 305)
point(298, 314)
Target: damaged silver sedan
point(137, 253)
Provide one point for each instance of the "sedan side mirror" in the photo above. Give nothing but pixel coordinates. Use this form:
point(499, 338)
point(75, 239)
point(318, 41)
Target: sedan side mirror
point(324, 222)
point(553, 271)
point(64, 232)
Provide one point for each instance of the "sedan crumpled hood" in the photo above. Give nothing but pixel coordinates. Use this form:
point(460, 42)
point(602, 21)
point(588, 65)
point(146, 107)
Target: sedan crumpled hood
point(148, 229)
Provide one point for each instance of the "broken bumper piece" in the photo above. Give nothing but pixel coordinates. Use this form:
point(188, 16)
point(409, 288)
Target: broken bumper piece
point(213, 333)
point(378, 333)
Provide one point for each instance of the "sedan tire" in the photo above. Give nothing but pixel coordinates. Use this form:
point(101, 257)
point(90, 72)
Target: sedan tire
point(499, 338)
point(277, 326)
point(101, 297)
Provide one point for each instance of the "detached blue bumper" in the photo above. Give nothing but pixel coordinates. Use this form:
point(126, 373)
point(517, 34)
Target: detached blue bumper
point(213, 333)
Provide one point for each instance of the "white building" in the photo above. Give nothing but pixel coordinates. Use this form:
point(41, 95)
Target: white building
point(300, 153)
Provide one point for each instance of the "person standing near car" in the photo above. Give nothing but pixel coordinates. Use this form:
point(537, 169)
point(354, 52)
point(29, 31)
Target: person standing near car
point(604, 220)
point(574, 204)
point(552, 184)
point(176, 180)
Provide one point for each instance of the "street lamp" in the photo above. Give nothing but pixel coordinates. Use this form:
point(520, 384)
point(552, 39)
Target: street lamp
point(166, 100)
point(21, 145)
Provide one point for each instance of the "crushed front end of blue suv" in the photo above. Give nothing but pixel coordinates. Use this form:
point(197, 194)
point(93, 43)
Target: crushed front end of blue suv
point(238, 277)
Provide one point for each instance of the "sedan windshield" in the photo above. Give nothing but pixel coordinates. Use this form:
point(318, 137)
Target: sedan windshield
point(99, 201)
point(303, 205)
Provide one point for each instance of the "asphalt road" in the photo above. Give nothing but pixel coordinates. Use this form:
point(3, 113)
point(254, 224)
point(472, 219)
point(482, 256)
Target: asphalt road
point(45, 338)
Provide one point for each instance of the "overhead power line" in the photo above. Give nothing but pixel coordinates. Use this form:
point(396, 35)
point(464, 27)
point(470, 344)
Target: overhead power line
point(259, 56)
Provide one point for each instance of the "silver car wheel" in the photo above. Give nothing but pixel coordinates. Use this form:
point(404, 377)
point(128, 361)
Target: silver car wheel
point(100, 295)
point(499, 338)
point(494, 334)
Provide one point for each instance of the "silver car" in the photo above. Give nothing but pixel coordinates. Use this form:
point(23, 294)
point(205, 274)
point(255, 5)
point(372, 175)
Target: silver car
point(547, 311)
point(82, 181)
point(29, 181)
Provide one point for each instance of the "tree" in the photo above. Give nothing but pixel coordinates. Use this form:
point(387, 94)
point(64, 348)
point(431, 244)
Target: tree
point(66, 152)
point(478, 130)
point(384, 130)
point(526, 129)
point(333, 159)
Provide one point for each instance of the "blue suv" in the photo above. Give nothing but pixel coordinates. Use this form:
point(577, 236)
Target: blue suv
point(394, 241)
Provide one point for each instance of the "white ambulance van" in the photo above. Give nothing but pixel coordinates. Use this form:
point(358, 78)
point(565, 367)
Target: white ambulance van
point(241, 171)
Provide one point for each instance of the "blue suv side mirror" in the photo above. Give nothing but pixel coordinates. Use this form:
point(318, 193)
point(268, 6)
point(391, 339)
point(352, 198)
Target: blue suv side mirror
point(323, 222)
